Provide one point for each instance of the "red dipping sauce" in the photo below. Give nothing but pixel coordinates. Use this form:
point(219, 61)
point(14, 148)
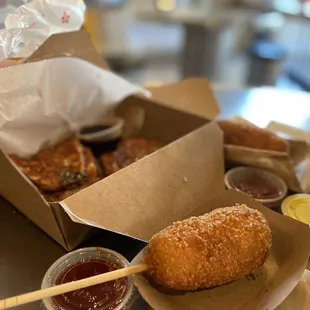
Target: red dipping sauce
point(103, 296)
point(258, 188)
point(84, 263)
point(262, 185)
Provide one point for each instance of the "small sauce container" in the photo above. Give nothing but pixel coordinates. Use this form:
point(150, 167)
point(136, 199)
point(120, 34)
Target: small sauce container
point(102, 137)
point(297, 207)
point(263, 186)
point(113, 295)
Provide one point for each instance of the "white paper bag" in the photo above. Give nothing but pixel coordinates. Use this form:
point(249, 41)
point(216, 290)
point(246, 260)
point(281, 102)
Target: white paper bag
point(27, 27)
point(42, 102)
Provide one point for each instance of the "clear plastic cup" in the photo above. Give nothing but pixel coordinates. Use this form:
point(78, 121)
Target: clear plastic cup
point(125, 299)
point(236, 176)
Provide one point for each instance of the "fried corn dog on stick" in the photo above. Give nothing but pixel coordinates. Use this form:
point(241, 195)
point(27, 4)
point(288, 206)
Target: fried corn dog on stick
point(210, 250)
point(251, 136)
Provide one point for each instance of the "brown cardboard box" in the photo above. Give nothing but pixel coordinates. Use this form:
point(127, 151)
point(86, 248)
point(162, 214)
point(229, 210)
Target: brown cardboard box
point(199, 153)
point(157, 190)
point(69, 44)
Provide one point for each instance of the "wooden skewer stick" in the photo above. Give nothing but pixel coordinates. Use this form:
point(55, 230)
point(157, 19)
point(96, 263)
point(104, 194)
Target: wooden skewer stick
point(71, 286)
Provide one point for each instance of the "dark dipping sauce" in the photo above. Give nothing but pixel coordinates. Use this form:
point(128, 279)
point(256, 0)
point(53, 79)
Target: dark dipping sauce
point(102, 296)
point(258, 188)
point(99, 147)
point(94, 129)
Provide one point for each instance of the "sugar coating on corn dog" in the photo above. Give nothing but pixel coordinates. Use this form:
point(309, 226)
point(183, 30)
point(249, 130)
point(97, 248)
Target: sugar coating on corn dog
point(210, 250)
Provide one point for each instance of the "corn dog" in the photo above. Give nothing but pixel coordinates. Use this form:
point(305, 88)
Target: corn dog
point(210, 250)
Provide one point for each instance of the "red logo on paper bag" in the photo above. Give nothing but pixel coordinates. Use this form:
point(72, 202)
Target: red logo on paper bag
point(65, 18)
point(2, 3)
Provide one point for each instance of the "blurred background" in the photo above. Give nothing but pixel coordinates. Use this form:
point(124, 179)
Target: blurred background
point(234, 43)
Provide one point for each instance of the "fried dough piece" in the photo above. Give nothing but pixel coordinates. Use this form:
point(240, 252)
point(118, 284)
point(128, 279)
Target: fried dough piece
point(93, 176)
point(210, 250)
point(91, 170)
point(110, 162)
point(251, 136)
point(60, 167)
point(128, 152)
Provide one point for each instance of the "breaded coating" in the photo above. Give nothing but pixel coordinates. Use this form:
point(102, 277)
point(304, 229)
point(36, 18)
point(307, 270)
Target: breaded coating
point(251, 136)
point(128, 152)
point(90, 167)
point(210, 250)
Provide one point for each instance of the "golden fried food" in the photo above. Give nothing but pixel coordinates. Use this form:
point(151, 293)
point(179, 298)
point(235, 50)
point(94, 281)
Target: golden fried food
point(210, 250)
point(251, 136)
point(90, 166)
point(128, 152)
point(60, 167)
point(110, 163)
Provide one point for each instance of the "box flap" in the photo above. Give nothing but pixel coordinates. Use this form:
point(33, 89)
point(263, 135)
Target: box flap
point(150, 194)
point(28, 200)
point(75, 44)
point(192, 95)
point(142, 117)
point(74, 233)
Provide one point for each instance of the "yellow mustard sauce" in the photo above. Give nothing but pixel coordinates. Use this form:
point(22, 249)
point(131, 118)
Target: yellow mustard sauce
point(297, 207)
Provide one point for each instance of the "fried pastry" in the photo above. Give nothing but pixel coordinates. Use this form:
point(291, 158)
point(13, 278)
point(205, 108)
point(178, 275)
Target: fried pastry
point(210, 250)
point(60, 167)
point(248, 135)
point(128, 152)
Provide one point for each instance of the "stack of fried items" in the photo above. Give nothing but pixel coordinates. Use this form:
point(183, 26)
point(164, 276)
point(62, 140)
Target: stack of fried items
point(64, 169)
point(59, 170)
